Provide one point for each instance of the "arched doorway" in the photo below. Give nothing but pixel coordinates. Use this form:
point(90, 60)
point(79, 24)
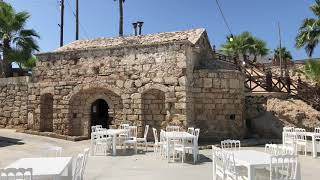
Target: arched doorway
point(46, 113)
point(99, 113)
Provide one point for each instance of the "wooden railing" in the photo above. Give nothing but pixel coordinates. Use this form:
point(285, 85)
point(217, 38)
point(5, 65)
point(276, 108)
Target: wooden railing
point(259, 79)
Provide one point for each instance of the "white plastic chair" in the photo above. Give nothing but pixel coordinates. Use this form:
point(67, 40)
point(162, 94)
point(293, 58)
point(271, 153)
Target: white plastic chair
point(217, 163)
point(231, 144)
point(288, 129)
point(301, 141)
point(16, 174)
point(224, 165)
point(84, 162)
point(230, 166)
point(144, 139)
point(317, 131)
point(54, 151)
point(96, 128)
point(286, 150)
point(283, 167)
point(172, 129)
point(157, 143)
point(101, 142)
point(164, 144)
point(78, 166)
point(271, 149)
point(132, 138)
point(299, 130)
point(124, 126)
point(190, 130)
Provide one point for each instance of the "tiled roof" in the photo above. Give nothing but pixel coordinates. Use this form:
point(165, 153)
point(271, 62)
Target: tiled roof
point(189, 35)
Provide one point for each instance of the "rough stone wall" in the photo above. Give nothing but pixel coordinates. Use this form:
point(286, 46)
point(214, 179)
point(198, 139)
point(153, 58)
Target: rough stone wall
point(13, 102)
point(77, 78)
point(217, 103)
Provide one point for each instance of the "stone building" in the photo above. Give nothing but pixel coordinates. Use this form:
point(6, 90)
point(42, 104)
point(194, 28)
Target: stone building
point(158, 79)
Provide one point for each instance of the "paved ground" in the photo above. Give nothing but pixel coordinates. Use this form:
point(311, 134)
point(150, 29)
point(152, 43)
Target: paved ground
point(144, 166)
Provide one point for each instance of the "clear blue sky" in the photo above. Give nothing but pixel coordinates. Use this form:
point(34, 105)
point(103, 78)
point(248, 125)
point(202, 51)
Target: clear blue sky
point(99, 18)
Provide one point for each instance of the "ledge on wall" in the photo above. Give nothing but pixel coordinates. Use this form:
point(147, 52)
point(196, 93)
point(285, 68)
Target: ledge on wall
point(53, 135)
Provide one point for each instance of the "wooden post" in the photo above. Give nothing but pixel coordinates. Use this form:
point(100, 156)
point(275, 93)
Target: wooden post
point(61, 23)
point(269, 80)
point(77, 19)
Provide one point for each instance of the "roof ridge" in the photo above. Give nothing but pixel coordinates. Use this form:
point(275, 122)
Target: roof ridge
point(191, 35)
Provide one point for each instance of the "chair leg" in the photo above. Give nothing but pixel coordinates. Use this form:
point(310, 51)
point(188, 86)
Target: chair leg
point(305, 150)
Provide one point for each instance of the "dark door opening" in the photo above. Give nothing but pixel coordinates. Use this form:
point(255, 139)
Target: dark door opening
point(99, 113)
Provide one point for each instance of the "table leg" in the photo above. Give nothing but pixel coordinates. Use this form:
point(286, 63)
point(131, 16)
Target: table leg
point(314, 148)
point(195, 151)
point(114, 145)
point(298, 172)
point(168, 150)
point(70, 171)
point(251, 173)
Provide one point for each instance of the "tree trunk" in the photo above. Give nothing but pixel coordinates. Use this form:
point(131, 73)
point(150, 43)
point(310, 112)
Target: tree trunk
point(6, 63)
point(120, 17)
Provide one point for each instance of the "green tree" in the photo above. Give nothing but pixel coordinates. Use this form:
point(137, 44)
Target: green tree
point(309, 31)
point(120, 16)
point(245, 45)
point(18, 43)
point(312, 70)
point(284, 53)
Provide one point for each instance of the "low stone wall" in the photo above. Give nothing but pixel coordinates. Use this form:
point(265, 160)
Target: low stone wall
point(218, 104)
point(13, 102)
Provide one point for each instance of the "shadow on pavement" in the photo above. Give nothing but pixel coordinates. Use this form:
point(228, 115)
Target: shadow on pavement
point(5, 141)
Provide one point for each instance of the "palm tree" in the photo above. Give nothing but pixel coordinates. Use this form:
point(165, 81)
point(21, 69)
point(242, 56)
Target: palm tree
point(309, 32)
point(312, 70)
point(258, 48)
point(245, 45)
point(285, 55)
point(120, 16)
point(17, 41)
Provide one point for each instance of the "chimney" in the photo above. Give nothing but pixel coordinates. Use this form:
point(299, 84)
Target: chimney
point(135, 27)
point(140, 24)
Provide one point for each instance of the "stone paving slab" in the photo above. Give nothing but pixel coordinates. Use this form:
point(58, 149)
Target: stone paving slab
point(144, 166)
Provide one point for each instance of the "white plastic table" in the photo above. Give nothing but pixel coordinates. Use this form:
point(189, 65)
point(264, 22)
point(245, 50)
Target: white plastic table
point(114, 133)
point(255, 159)
point(184, 136)
point(46, 168)
point(309, 134)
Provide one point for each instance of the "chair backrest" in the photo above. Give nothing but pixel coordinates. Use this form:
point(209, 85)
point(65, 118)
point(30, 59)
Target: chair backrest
point(84, 162)
point(78, 167)
point(301, 136)
point(16, 174)
point(288, 129)
point(162, 136)
point(299, 130)
point(317, 131)
point(172, 129)
point(271, 149)
point(197, 133)
point(146, 130)
point(286, 150)
point(283, 167)
point(53, 151)
point(231, 144)
point(124, 126)
point(190, 130)
point(229, 165)
point(217, 160)
point(155, 135)
point(133, 131)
